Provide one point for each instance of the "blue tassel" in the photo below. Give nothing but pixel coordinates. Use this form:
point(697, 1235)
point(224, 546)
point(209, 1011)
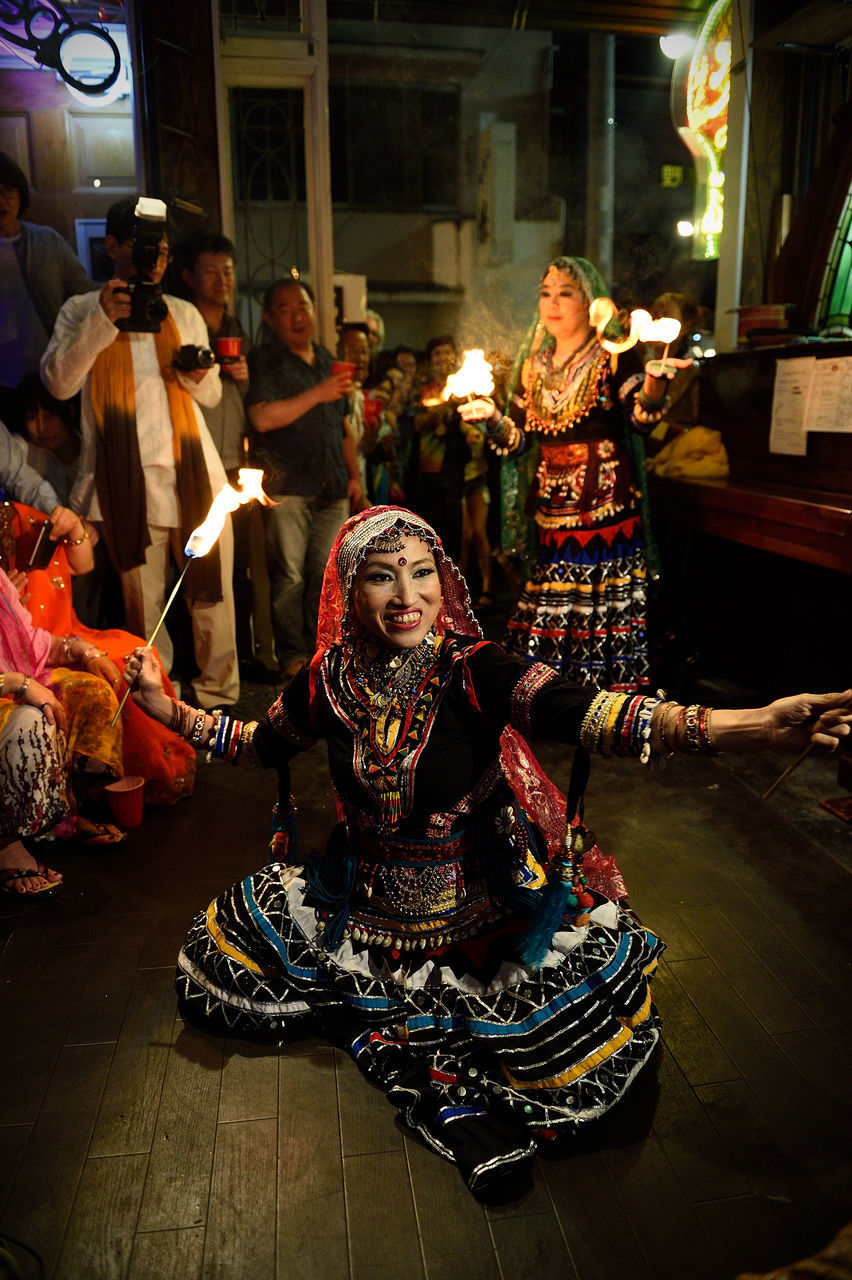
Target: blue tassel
point(554, 900)
point(329, 883)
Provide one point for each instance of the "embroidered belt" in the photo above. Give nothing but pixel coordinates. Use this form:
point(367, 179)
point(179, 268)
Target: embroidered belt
point(433, 895)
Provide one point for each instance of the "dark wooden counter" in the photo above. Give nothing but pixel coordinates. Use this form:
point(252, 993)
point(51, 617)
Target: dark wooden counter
point(803, 524)
point(797, 507)
point(757, 568)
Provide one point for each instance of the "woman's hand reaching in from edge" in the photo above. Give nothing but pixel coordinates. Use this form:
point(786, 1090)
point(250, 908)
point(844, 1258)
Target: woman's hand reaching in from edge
point(821, 720)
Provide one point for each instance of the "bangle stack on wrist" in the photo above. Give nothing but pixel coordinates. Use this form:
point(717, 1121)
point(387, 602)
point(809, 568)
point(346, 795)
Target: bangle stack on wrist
point(21, 691)
point(647, 411)
point(504, 437)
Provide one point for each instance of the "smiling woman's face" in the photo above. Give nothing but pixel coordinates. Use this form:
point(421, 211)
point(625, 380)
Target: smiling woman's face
point(397, 594)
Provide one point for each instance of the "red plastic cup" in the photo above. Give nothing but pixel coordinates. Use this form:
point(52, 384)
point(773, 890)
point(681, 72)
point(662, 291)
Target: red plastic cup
point(343, 366)
point(125, 799)
point(228, 349)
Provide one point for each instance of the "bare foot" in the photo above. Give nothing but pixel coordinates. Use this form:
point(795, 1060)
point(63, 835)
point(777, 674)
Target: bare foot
point(15, 857)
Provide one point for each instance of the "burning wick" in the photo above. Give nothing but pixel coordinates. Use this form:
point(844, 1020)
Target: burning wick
point(202, 539)
point(473, 379)
point(642, 329)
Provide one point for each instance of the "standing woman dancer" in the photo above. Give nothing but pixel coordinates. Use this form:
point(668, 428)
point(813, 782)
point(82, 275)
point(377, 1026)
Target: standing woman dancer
point(573, 487)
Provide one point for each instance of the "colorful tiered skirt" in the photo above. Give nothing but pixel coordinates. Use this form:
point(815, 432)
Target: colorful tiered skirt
point(482, 1056)
point(583, 612)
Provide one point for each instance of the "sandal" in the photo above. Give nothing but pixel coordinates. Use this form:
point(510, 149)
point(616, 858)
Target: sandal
point(97, 833)
point(8, 874)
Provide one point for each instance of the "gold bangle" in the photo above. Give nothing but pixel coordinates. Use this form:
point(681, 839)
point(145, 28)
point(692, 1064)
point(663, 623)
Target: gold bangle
point(76, 542)
point(20, 692)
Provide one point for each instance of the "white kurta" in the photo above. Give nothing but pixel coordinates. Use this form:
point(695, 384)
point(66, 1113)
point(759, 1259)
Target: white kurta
point(82, 331)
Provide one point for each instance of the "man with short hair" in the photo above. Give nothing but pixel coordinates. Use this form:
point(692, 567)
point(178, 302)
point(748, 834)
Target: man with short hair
point(297, 409)
point(148, 468)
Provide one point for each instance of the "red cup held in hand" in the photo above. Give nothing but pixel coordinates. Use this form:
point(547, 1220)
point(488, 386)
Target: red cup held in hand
point(228, 350)
point(343, 366)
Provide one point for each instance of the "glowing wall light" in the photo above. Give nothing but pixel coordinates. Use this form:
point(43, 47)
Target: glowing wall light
point(677, 44)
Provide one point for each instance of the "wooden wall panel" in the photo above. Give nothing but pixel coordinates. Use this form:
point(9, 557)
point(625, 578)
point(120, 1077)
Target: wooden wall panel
point(101, 146)
point(60, 143)
point(15, 139)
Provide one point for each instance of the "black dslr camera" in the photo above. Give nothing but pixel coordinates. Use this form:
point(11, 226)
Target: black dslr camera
point(190, 358)
point(147, 308)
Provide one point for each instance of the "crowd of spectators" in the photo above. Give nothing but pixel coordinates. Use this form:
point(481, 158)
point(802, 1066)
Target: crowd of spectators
point(117, 445)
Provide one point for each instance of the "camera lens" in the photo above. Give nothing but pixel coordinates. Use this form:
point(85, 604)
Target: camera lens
point(155, 310)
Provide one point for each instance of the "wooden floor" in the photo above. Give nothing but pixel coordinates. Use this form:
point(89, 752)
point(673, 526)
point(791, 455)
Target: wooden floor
point(133, 1146)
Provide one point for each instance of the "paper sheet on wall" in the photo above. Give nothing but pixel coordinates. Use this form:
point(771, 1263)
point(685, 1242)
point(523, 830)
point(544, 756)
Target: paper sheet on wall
point(830, 407)
point(790, 396)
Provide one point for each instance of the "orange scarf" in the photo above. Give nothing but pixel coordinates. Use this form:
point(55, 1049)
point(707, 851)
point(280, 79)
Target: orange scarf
point(118, 469)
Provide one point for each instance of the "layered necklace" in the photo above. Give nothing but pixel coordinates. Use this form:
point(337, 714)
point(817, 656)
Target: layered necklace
point(556, 398)
point(388, 680)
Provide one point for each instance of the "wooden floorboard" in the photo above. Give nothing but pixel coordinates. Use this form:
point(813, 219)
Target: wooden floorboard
point(135, 1148)
point(243, 1189)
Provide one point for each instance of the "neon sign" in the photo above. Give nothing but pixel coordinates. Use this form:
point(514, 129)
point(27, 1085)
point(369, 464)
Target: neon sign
point(700, 96)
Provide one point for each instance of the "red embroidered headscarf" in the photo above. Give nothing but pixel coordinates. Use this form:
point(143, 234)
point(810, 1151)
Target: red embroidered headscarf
point(351, 546)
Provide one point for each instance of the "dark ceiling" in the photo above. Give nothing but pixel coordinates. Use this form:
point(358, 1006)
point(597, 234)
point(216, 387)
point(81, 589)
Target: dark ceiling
point(634, 17)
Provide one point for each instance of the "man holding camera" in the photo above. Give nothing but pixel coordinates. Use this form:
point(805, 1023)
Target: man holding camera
point(148, 468)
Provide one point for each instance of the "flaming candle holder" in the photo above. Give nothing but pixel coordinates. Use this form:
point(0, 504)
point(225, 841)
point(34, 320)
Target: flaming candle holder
point(642, 329)
point(202, 539)
point(474, 378)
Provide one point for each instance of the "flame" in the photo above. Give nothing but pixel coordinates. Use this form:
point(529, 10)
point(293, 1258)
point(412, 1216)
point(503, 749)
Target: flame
point(642, 327)
point(226, 501)
point(664, 330)
point(473, 378)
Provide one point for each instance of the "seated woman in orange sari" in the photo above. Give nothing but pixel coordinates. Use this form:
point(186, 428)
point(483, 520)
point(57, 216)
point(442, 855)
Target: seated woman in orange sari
point(164, 760)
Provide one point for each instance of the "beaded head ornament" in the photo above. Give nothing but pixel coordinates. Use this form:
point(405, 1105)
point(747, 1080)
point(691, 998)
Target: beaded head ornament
point(383, 529)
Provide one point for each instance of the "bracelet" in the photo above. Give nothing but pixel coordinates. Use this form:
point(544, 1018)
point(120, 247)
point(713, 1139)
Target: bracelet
point(91, 653)
point(2, 682)
point(504, 436)
point(696, 721)
point(76, 542)
point(214, 729)
point(652, 404)
point(20, 692)
point(198, 728)
point(67, 642)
